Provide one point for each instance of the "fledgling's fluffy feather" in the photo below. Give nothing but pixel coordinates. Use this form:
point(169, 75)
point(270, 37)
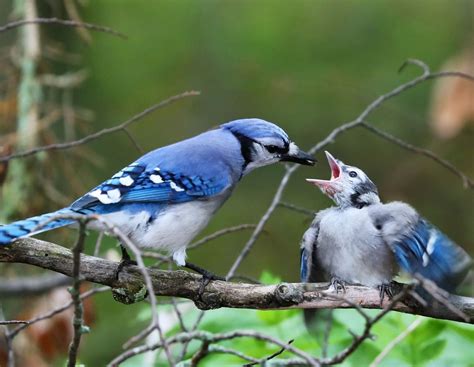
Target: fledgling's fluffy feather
point(363, 241)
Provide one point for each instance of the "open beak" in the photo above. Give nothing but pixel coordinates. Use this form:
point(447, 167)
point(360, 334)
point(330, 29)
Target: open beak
point(296, 155)
point(328, 186)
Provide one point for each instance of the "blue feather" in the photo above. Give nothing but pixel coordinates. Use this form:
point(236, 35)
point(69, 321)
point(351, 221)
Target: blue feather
point(427, 251)
point(304, 265)
point(27, 227)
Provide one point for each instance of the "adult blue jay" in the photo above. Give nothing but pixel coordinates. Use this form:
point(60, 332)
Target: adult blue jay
point(165, 198)
point(362, 241)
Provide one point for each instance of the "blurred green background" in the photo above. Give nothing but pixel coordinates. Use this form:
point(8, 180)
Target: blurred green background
point(306, 65)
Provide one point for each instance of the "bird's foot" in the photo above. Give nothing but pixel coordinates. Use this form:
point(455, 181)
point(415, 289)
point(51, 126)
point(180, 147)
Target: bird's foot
point(207, 277)
point(385, 289)
point(123, 264)
point(338, 284)
point(126, 261)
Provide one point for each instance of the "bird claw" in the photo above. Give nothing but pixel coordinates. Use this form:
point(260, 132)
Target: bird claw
point(123, 264)
point(385, 289)
point(338, 284)
point(126, 261)
point(207, 277)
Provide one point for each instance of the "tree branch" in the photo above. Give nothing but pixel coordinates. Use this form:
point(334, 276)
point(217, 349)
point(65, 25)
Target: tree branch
point(100, 133)
point(218, 293)
point(62, 22)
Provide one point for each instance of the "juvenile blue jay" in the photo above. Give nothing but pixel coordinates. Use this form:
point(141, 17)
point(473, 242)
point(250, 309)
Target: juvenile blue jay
point(362, 241)
point(165, 198)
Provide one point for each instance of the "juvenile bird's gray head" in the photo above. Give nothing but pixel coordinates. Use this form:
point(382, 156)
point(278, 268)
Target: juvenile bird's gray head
point(348, 186)
point(263, 143)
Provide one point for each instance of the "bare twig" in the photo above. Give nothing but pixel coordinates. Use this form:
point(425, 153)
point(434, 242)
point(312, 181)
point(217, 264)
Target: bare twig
point(78, 321)
point(62, 22)
point(298, 209)
point(224, 350)
point(441, 296)
point(214, 338)
point(220, 233)
point(100, 133)
point(389, 347)
point(13, 322)
point(276, 354)
point(467, 182)
point(56, 311)
point(132, 139)
point(369, 323)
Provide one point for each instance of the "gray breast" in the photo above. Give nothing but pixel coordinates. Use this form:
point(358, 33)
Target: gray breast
point(349, 247)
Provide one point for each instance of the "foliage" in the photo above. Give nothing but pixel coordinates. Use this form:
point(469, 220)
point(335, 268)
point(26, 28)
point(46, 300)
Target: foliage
point(433, 343)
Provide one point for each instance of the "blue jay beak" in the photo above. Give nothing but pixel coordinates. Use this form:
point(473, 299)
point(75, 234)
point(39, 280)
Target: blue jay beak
point(296, 155)
point(328, 187)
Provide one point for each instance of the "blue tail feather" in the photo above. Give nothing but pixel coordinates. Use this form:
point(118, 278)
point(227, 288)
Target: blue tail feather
point(28, 227)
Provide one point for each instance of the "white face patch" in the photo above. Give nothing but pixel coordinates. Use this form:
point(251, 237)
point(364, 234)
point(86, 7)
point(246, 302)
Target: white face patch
point(175, 187)
point(156, 179)
point(293, 149)
point(126, 180)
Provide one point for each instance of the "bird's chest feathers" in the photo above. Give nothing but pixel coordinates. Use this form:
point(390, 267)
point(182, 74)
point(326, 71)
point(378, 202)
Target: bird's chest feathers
point(350, 248)
point(170, 229)
point(176, 226)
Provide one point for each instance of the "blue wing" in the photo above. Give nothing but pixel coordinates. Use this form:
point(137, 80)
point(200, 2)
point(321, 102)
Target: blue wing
point(310, 269)
point(427, 251)
point(141, 183)
point(304, 257)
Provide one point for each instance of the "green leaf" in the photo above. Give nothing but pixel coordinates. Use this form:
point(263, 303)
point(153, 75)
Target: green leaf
point(432, 350)
point(269, 278)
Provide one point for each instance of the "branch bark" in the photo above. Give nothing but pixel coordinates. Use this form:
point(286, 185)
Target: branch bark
point(218, 294)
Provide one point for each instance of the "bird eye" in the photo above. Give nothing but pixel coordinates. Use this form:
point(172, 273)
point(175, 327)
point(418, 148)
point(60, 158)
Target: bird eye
point(353, 173)
point(272, 148)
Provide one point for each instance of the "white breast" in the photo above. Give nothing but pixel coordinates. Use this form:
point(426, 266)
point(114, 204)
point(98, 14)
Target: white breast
point(172, 230)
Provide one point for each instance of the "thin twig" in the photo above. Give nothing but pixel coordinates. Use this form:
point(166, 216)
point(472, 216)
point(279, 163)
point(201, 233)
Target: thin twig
point(297, 209)
point(63, 22)
point(359, 339)
point(100, 133)
point(134, 141)
point(214, 338)
point(467, 182)
point(220, 233)
point(224, 350)
point(441, 296)
point(78, 321)
point(389, 347)
point(13, 322)
point(276, 354)
point(56, 311)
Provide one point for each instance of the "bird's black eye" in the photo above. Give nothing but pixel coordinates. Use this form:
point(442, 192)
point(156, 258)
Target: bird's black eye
point(353, 173)
point(273, 148)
